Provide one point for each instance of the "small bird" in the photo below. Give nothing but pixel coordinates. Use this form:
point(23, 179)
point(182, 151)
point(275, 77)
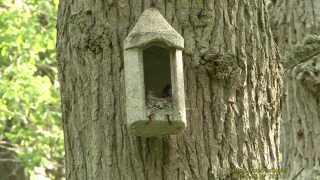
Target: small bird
point(167, 91)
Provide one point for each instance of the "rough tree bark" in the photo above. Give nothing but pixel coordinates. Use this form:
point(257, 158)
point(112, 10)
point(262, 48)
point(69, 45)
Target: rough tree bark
point(232, 85)
point(292, 22)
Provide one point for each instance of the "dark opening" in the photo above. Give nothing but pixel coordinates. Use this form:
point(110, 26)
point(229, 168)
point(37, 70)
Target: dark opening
point(157, 75)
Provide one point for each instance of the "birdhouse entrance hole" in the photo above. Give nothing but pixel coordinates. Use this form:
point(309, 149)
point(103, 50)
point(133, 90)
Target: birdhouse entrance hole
point(157, 79)
point(157, 74)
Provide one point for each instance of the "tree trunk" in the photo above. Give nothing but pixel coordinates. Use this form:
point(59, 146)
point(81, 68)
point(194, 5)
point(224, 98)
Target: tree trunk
point(292, 21)
point(10, 167)
point(232, 85)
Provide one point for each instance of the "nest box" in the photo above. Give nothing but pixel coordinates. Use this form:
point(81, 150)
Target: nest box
point(154, 83)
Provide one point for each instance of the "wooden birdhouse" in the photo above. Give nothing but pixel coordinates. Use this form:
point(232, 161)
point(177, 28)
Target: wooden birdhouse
point(154, 83)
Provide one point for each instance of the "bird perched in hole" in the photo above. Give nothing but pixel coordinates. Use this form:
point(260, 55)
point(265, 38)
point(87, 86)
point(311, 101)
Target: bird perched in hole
point(167, 91)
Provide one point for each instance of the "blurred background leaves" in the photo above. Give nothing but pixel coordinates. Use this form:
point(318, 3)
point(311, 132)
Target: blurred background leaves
point(30, 123)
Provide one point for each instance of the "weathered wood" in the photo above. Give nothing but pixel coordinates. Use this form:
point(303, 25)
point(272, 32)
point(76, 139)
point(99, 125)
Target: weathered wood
point(148, 112)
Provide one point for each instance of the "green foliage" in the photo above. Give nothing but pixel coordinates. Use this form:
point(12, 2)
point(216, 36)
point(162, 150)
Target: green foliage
point(29, 103)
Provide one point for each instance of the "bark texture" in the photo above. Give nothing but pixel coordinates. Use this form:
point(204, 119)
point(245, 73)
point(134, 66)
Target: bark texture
point(232, 85)
point(292, 20)
point(292, 23)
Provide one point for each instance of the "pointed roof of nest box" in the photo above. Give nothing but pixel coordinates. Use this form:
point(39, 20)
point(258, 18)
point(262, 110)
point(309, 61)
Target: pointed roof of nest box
point(153, 27)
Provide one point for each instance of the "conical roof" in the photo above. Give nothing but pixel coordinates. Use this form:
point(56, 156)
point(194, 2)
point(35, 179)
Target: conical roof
point(153, 27)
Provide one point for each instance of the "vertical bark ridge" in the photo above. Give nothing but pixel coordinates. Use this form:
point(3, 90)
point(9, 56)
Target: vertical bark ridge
point(292, 22)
